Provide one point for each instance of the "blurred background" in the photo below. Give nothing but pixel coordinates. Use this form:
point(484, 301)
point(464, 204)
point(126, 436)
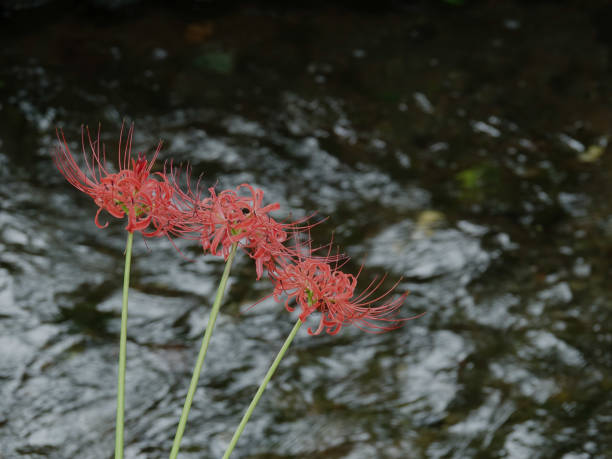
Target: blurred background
point(462, 145)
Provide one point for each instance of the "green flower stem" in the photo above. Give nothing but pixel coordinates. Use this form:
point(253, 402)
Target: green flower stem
point(122, 346)
point(261, 389)
point(198, 368)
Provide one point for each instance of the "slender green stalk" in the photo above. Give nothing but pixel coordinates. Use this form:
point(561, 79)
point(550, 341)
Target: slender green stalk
point(198, 368)
point(261, 389)
point(122, 346)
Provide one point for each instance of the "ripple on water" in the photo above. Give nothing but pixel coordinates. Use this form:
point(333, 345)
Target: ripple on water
point(526, 440)
point(508, 363)
point(427, 376)
point(409, 251)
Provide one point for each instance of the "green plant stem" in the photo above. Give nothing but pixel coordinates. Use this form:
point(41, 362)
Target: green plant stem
point(261, 389)
point(205, 341)
point(122, 347)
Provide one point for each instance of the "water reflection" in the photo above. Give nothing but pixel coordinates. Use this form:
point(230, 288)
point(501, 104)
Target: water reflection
point(450, 147)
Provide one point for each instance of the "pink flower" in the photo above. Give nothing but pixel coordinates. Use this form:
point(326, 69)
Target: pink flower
point(146, 198)
point(315, 285)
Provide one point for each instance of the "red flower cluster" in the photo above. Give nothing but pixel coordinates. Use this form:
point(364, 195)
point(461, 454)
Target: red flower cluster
point(146, 198)
point(316, 285)
point(157, 206)
point(230, 218)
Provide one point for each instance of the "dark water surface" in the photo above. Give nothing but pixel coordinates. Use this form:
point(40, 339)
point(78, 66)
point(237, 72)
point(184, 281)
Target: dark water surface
point(463, 148)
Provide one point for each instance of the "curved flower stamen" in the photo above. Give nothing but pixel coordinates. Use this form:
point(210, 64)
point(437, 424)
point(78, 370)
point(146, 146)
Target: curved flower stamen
point(315, 285)
point(147, 199)
point(238, 216)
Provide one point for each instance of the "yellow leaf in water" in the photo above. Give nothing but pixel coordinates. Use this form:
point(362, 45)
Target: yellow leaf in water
point(428, 220)
point(591, 154)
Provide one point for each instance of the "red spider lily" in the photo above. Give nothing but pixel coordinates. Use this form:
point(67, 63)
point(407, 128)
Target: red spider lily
point(146, 198)
point(315, 285)
point(231, 217)
point(227, 218)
